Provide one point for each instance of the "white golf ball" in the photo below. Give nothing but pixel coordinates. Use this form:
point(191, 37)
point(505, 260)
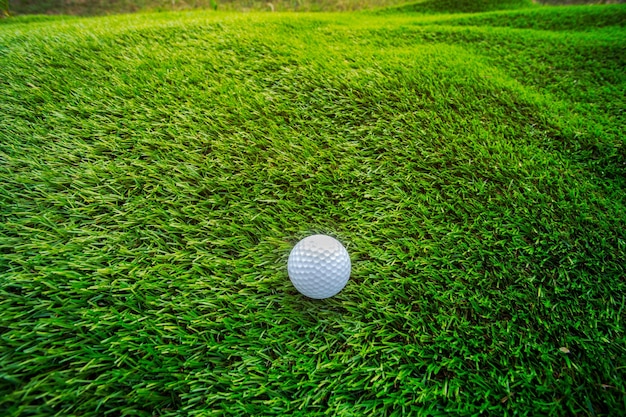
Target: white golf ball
point(319, 266)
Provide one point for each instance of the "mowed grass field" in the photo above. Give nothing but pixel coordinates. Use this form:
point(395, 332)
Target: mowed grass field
point(157, 169)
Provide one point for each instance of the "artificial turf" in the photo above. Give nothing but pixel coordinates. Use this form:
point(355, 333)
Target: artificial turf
point(156, 170)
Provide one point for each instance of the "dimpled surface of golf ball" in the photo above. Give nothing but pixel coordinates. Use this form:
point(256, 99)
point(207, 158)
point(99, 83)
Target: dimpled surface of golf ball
point(319, 266)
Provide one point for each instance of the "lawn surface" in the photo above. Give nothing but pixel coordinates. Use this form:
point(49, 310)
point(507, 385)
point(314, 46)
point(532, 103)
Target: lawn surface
point(156, 170)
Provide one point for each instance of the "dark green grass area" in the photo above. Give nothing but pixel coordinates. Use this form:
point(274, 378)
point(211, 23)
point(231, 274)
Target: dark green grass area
point(156, 170)
point(577, 19)
point(100, 7)
point(462, 6)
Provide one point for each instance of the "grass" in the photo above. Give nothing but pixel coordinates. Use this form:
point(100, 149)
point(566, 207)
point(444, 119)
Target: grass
point(464, 6)
point(156, 170)
point(98, 7)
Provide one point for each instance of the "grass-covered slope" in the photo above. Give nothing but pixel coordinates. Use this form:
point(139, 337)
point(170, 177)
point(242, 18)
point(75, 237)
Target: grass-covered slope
point(156, 170)
point(461, 6)
point(99, 7)
point(578, 19)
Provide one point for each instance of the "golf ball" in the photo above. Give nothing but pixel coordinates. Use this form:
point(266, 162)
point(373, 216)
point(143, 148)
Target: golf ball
point(319, 266)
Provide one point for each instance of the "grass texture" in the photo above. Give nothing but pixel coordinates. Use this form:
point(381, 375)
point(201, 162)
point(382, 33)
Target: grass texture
point(464, 6)
point(101, 7)
point(156, 170)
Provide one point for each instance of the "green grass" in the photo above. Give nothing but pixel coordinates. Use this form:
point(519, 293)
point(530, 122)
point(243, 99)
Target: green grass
point(156, 170)
point(463, 6)
point(100, 7)
point(578, 19)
